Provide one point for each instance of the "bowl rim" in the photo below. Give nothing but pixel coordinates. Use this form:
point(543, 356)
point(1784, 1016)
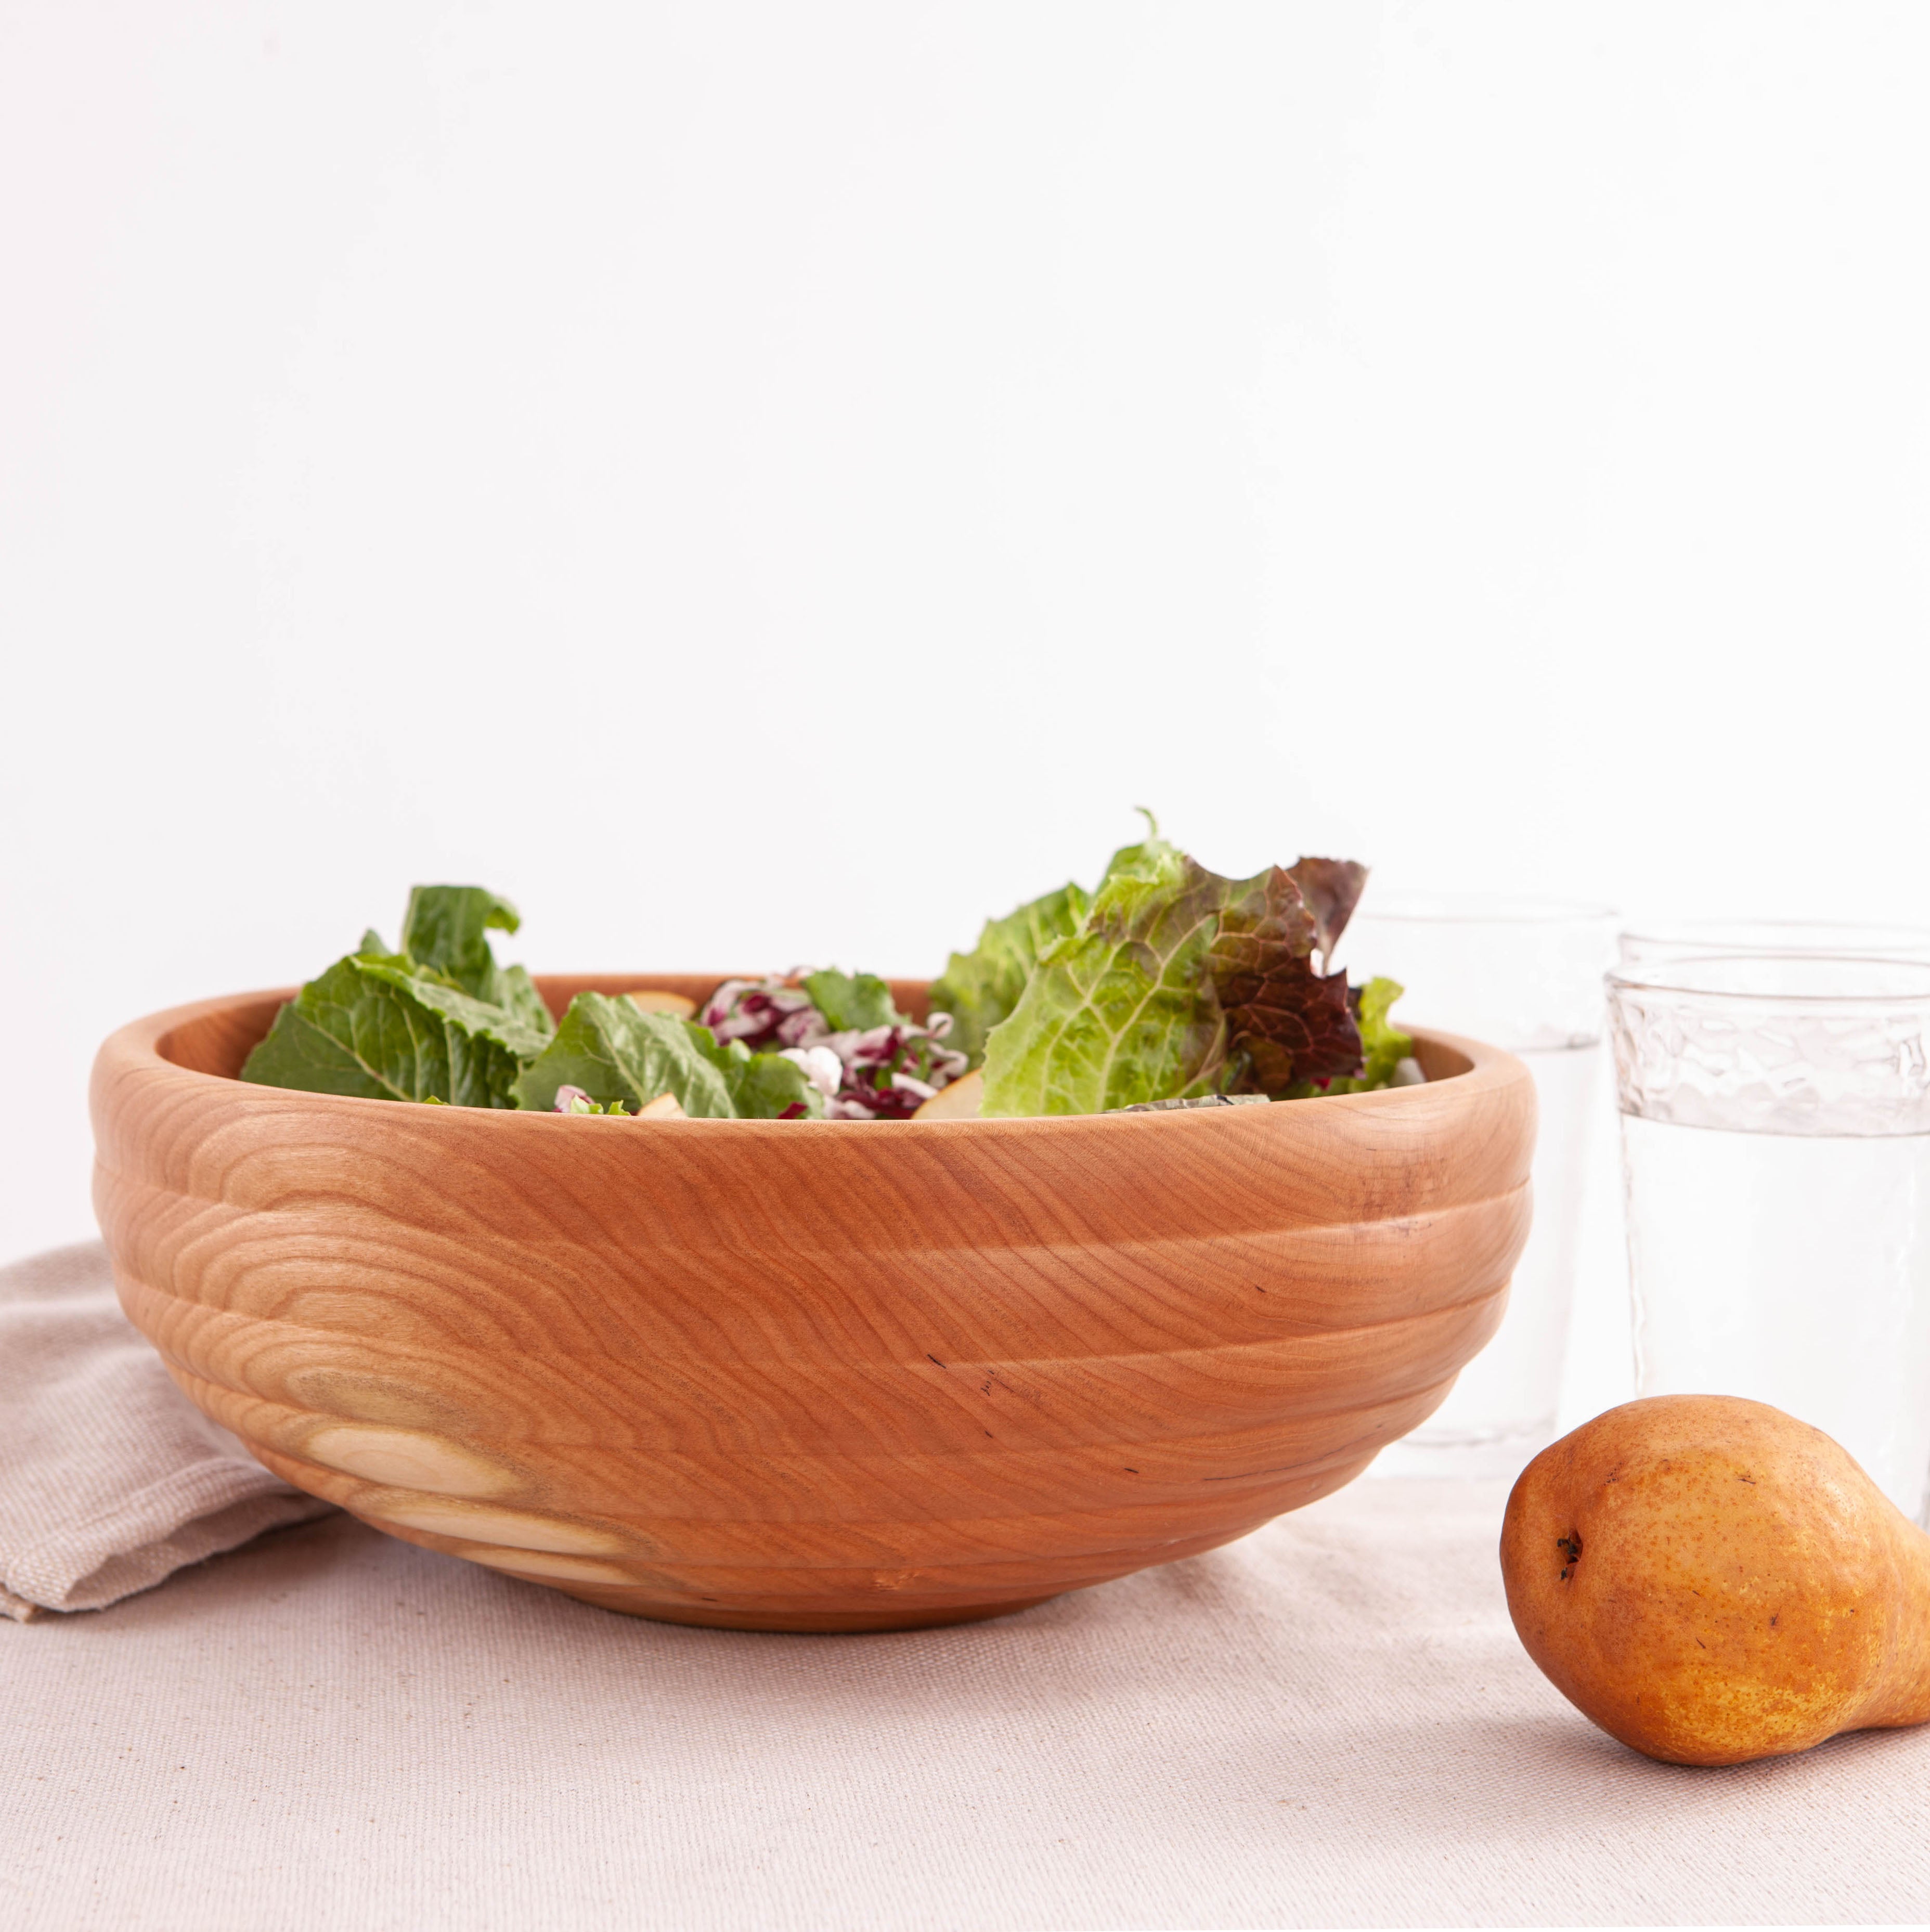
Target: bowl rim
point(140, 1047)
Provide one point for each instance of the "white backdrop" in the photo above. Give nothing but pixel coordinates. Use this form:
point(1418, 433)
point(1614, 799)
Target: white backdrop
point(779, 483)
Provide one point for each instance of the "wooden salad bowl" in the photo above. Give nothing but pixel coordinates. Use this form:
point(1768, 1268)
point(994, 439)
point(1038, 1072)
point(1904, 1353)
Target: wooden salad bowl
point(806, 1375)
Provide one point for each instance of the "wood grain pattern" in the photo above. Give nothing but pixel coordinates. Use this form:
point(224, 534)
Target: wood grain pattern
point(824, 1376)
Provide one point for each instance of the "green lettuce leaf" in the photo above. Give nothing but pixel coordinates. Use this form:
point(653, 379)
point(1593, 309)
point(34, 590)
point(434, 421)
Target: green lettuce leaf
point(1178, 982)
point(979, 989)
point(447, 929)
point(380, 1027)
point(615, 1052)
point(1124, 1009)
point(851, 1002)
point(520, 998)
point(1147, 860)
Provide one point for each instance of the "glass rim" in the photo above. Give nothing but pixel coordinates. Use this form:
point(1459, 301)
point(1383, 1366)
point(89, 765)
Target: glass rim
point(1688, 932)
point(1655, 979)
point(1482, 909)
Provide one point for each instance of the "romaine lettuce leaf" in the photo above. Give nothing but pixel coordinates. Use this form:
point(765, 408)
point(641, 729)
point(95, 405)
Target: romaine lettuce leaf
point(616, 1052)
point(379, 1026)
point(447, 929)
point(1124, 1009)
point(979, 989)
point(520, 997)
point(851, 1002)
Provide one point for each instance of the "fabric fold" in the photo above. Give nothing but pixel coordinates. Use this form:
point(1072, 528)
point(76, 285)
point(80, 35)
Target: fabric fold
point(110, 1478)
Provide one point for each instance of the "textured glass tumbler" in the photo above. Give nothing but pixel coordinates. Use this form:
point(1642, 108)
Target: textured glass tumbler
point(1525, 974)
point(1776, 1140)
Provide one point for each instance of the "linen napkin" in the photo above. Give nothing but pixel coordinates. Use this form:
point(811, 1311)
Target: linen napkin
point(110, 1479)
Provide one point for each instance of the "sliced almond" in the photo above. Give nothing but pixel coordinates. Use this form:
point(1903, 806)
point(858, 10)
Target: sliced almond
point(958, 1102)
point(651, 1002)
point(663, 1108)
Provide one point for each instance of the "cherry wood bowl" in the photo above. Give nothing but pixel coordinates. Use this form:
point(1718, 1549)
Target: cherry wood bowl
point(806, 1375)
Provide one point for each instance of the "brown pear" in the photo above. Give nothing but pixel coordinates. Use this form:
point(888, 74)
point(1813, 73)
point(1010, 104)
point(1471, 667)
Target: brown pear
point(1711, 1580)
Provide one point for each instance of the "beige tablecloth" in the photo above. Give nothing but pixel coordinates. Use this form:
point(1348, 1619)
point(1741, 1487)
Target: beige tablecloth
point(1330, 1723)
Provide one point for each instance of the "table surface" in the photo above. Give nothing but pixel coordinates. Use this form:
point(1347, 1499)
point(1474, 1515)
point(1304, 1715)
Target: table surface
point(1329, 1723)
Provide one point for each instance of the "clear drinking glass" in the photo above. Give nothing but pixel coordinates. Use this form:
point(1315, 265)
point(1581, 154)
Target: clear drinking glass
point(1776, 1136)
point(1525, 974)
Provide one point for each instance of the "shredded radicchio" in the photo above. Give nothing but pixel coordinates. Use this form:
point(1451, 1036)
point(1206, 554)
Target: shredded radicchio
point(884, 1073)
point(767, 1015)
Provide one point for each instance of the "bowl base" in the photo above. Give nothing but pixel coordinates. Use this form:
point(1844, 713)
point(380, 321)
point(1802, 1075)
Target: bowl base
point(723, 1616)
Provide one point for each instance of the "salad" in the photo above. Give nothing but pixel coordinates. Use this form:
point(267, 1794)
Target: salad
point(1164, 984)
